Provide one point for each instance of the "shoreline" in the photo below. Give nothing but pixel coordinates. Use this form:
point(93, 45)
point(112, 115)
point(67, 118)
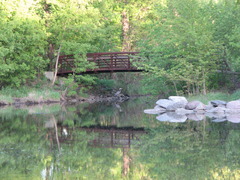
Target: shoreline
point(26, 101)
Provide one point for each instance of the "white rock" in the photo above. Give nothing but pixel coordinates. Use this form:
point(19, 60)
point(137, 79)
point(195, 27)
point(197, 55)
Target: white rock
point(171, 117)
point(154, 111)
point(192, 105)
point(183, 111)
point(201, 106)
point(163, 117)
point(234, 118)
point(233, 104)
point(196, 117)
point(217, 110)
point(219, 120)
point(178, 98)
point(176, 105)
point(232, 111)
point(164, 103)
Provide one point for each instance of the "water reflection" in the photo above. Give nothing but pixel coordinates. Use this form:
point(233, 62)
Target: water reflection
point(100, 141)
point(104, 137)
point(214, 117)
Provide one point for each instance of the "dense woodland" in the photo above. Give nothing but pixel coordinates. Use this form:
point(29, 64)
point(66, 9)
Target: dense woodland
point(187, 46)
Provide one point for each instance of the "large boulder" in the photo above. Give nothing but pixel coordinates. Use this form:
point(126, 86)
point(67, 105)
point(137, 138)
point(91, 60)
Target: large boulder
point(233, 104)
point(182, 111)
point(194, 105)
point(164, 103)
point(218, 103)
point(232, 111)
point(157, 110)
point(164, 117)
point(219, 115)
point(178, 99)
point(234, 118)
point(171, 117)
point(196, 116)
point(217, 110)
point(219, 120)
point(176, 105)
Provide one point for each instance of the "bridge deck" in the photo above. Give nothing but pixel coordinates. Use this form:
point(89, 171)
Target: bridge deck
point(104, 62)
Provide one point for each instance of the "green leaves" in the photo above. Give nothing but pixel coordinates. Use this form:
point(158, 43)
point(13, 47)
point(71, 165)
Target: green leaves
point(22, 42)
point(185, 36)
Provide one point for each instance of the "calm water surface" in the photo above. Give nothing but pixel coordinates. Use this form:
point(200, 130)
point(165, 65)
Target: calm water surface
point(114, 141)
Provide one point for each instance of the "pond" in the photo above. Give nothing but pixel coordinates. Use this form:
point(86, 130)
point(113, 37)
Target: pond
point(114, 141)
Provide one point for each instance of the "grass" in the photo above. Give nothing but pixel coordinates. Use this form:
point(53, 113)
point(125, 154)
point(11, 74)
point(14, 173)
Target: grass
point(216, 96)
point(35, 94)
point(45, 94)
point(6, 99)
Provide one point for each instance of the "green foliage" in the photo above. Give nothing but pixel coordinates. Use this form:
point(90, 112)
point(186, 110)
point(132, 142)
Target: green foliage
point(104, 85)
point(188, 41)
point(216, 96)
point(22, 46)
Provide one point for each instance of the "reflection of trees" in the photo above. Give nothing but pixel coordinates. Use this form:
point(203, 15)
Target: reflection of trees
point(190, 150)
point(103, 137)
point(105, 115)
point(22, 145)
point(34, 153)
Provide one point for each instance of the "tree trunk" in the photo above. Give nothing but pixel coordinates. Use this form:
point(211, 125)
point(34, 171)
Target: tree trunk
point(56, 66)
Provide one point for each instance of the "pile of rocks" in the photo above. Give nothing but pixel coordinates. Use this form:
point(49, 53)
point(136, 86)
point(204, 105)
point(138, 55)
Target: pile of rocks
point(178, 109)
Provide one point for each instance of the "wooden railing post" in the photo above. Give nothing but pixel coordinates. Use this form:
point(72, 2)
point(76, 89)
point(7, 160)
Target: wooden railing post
point(128, 61)
point(111, 63)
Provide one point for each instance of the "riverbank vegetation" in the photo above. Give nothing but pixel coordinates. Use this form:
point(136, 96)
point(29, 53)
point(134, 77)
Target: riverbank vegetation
point(187, 46)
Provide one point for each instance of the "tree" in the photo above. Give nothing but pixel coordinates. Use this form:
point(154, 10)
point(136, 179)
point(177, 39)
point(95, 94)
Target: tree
point(22, 46)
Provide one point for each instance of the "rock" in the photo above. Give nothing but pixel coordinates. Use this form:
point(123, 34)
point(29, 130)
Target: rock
point(219, 120)
point(157, 107)
point(209, 106)
point(176, 117)
point(232, 111)
point(178, 99)
point(219, 115)
point(217, 110)
point(154, 111)
point(195, 105)
point(176, 105)
point(200, 106)
point(164, 103)
point(171, 117)
point(233, 104)
point(163, 117)
point(218, 103)
point(234, 118)
point(196, 116)
point(182, 111)
point(49, 75)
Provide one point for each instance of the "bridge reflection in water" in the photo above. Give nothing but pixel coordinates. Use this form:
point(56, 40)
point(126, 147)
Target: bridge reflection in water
point(104, 137)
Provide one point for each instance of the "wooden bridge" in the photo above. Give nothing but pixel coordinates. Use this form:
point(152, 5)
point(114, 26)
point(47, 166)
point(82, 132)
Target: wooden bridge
point(104, 63)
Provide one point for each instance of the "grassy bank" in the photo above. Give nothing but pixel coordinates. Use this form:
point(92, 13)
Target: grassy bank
point(216, 96)
point(9, 95)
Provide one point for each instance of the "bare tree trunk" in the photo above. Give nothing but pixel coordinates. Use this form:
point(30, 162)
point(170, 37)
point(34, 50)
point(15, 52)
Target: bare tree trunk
point(56, 66)
point(126, 162)
point(56, 131)
point(204, 84)
point(175, 86)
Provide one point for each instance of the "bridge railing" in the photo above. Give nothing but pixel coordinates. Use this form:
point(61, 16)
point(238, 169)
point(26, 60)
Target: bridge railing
point(113, 61)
